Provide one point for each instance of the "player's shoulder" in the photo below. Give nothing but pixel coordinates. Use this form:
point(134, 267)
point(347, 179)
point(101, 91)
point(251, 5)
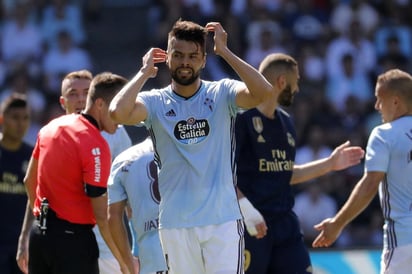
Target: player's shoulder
point(135, 152)
point(283, 112)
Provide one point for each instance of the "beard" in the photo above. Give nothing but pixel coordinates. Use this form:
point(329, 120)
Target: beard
point(285, 98)
point(183, 80)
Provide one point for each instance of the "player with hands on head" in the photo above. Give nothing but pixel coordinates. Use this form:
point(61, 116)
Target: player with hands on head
point(191, 123)
point(388, 171)
point(265, 155)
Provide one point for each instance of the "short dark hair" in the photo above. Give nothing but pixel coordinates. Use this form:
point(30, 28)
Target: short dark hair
point(15, 100)
point(79, 74)
point(277, 62)
point(189, 31)
point(105, 85)
point(397, 82)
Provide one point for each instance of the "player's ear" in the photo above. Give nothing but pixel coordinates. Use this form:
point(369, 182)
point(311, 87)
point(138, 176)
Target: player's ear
point(281, 81)
point(61, 101)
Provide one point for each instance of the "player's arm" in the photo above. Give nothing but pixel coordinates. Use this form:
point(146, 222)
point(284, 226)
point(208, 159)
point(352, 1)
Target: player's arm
point(99, 204)
point(30, 181)
point(119, 230)
point(257, 88)
point(361, 196)
point(125, 108)
point(342, 157)
point(22, 256)
point(254, 221)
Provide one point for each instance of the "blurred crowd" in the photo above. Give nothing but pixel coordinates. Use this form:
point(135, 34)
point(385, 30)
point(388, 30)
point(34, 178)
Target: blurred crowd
point(341, 47)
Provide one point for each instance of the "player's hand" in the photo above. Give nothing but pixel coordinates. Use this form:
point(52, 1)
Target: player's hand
point(329, 232)
point(254, 221)
point(220, 37)
point(22, 256)
point(136, 264)
point(345, 156)
point(150, 59)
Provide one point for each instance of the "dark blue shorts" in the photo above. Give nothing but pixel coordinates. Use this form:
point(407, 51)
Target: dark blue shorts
point(282, 250)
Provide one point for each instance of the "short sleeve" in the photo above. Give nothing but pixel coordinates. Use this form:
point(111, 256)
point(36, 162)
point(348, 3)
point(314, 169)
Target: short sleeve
point(377, 151)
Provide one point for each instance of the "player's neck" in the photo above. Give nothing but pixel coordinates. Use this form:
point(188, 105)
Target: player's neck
point(186, 91)
point(10, 143)
point(268, 108)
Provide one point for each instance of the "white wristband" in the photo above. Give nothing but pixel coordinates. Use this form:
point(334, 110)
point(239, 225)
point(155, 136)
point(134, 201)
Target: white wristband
point(251, 216)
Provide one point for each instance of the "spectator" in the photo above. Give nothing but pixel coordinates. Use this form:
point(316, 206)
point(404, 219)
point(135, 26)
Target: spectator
point(61, 15)
point(346, 11)
point(355, 43)
point(21, 40)
point(351, 83)
point(65, 58)
point(312, 205)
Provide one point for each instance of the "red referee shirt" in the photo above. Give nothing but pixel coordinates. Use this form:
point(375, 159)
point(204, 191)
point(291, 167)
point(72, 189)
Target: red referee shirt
point(71, 152)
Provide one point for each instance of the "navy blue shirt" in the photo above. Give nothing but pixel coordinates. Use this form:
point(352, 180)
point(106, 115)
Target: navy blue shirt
point(265, 155)
point(13, 197)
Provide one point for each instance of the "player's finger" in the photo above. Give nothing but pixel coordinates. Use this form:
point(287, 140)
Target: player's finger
point(261, 230)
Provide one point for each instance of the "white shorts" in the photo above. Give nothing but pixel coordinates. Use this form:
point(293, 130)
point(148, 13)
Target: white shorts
point(109, 266)
point(212, 249)
point(397, 260)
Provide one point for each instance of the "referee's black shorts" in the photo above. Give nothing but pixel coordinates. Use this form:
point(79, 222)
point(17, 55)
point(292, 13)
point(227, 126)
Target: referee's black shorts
point(65, 248)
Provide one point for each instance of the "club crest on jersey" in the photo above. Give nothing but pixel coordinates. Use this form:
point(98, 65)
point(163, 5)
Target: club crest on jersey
point(209, 103)
point(258, 126)
point(191, 131)
point(291, 140)
point(409, 134)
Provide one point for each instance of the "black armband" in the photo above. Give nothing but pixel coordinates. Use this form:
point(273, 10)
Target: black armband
point(94, 191)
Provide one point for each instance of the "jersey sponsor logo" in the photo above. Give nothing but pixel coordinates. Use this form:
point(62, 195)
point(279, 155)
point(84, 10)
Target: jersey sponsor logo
point(97, 164)
point(191, 131)
point(9, 183)
point(151, 224)
point(278, 163)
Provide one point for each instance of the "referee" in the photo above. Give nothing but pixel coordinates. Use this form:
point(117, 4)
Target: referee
point(66, 184)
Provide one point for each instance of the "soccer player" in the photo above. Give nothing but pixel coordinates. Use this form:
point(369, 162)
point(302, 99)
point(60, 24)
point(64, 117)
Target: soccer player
point(133, 180)
point(14, 158)
point(265, 155)
point(388, 169)
point(191, 122)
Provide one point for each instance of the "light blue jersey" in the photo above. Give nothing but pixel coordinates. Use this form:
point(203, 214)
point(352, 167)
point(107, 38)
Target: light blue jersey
point(134, 178)
point(390, 150)
point(194, 143)
point(118, 142)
